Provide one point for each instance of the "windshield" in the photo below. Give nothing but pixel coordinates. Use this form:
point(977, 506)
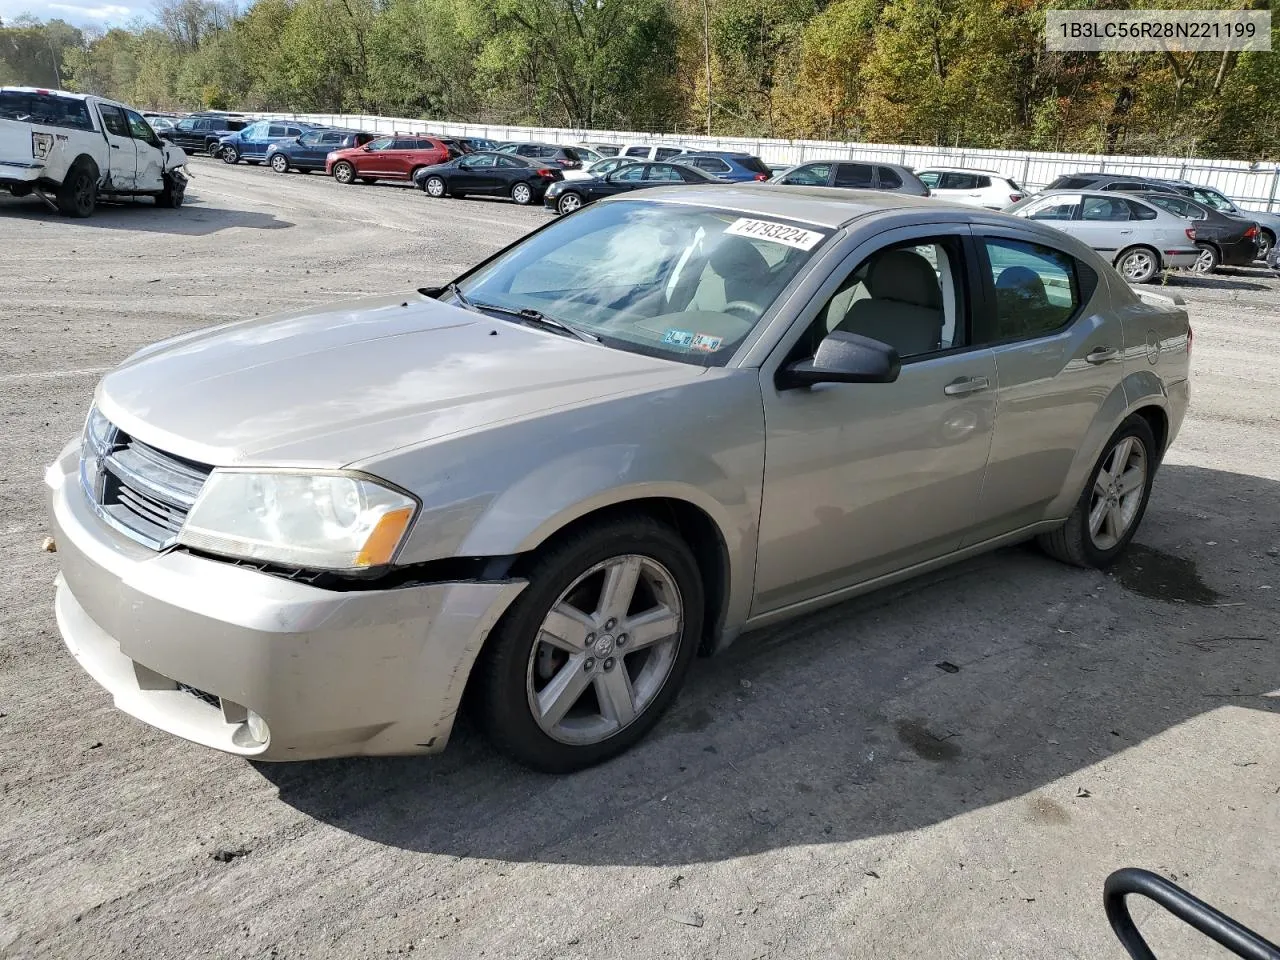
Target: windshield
point(45, 108)
point(684, 283)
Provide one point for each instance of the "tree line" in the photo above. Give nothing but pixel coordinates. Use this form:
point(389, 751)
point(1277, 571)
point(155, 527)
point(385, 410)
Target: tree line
point(969, 73)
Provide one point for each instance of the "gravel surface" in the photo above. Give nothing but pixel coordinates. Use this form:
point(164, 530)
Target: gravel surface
point(822, 790)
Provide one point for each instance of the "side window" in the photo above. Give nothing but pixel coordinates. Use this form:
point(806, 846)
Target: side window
point(113, 120)
point(275, 130)
point(1140, 211)
point(909, 296)
point(139, 129)
point(689, 175)
point(637, 152)
point(632, 173)
point(958, 181)
point(982, 182)
point(1127, 186)
point(185, 125)
point(310, 139)
point(888, 177)
point(666, 153)
point(1037, 289)
point(1104, 208)
point(1055, 208)
point(293, 131)
point(1215, 200)
point(812, 175)
point(508, 163)
point(662, 172)
point(853, 175)
point(930, 178)
point(382, 143)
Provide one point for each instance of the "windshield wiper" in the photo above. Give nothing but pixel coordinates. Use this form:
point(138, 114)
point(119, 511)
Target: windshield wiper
point(536, 318)
point(458, 295)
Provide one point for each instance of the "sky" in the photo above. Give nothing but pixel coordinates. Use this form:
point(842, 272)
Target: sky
point(81, 13)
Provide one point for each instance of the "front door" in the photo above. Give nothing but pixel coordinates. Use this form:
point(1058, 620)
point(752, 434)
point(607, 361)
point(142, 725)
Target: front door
point(485, 172)
point(862, 480)
point(1058, 359)
point(150, 153)
point(122, 154)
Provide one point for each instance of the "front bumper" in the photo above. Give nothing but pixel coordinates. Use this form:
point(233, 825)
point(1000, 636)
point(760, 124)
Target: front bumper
point(191, 645)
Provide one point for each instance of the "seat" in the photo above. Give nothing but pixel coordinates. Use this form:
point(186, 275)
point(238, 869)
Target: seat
point(743, 269)
point(1021, 301)
point(905, 306)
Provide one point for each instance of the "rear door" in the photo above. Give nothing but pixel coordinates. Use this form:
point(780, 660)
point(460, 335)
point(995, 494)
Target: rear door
point(1105, 224)
point(122, 155)
point(857, 176)
point(150, 152)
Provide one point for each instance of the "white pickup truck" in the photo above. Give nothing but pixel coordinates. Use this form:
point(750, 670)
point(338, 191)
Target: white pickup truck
point(72, 149)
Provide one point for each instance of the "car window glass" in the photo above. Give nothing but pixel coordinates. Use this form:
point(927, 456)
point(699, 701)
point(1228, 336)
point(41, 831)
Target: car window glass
point(1177, 206)
point(1104, 208)
point(958, 181)
point(690, 175)
point(709, 164)
point(982, 182)
point(1217, 201)
point(888, 177)
point(663, 172)
point(637, 151)
point(185, 125)
point(666, 153)
point(1140, 211)
point(930, 178)
point(509, 162)
point(481, 160)
point(909, 296)
point(311, 139)
point(114, 121)
point(139, 129)
point(1127, 185)
point(1036, 289)
point(274, 130)
point(382, 143)
point(853, 175)
point(811, 175)
point(630, 174)
point(1055, 208)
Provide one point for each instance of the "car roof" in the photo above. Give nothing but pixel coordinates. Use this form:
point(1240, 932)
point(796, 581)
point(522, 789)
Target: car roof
point(52, 91)
point(989, 173)
point(721, 154)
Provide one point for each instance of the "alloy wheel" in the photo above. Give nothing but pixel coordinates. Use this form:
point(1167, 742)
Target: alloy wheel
point(1117, 493)
point(1206, 262)
point(280, 163)
point(604, 650)
point(1137, 266)
point(570, 202)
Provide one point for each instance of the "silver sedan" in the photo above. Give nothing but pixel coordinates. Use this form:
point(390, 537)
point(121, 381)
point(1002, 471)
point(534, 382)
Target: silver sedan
point(624, 440)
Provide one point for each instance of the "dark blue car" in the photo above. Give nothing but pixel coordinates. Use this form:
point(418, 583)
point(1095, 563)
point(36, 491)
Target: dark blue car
point(253, 141)
point(308, 152)
point(727, 165)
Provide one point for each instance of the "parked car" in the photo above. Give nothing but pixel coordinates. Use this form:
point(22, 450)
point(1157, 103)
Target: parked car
point(736, 167)
point(489, 174)
point(601, 167)
point(457, 145)
point(253, 142)
point(603, 149)
point(1220, 239)
point(851, 174)
point(650, 151)
point(570, 195)
point(1139, 238)
point(567, 158)
point(554, 481)
point(161, 124)
point(479, 143)
point(81, 149)
point(202, 133)
point(1268, 223)
point(976, 188)
point(308, 151)
point(1125, 183)
point(396, 157)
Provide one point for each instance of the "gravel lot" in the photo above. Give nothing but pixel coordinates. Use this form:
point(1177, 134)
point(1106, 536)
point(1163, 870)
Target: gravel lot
point(822, 790)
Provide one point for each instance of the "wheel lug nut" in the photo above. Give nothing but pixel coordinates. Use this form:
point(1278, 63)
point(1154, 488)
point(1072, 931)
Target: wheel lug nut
point(622, 640)
point(610, 624)
point(608, 664)
point(591, 638)
point(589, 664)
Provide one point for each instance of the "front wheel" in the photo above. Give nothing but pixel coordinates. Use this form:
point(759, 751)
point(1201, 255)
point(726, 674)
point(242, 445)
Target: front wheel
point(1138, 264)
point(568, 203)
point(588, 658)
point(434, 187)
point(174, 192)
point(279, 163)
point(344, 172)
point(1114, 500)
point(522, 194)
point(1265, 243)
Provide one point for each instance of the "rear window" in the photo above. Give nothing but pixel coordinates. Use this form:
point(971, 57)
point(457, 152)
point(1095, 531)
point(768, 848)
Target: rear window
point(1070, 183)
point(46, 108)
point(570, 154)
point(755, 165)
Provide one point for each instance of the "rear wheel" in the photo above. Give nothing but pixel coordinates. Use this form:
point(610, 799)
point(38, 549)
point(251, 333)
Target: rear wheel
point(230, 155)
point(279, 163)
point(522, 194)
point(1114, 500)
point(588, 658)
point(78, 194)
point(344, 172)
point(1138, 264)
point(434, 187)
point(1209, 259)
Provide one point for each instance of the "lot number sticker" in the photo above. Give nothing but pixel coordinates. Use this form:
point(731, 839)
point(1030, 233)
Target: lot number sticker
point(775, 233)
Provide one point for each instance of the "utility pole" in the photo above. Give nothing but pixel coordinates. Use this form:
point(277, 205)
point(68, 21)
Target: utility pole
point(706, 52)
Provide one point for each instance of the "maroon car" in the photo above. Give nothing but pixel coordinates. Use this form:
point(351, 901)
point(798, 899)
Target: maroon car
point(397, 157)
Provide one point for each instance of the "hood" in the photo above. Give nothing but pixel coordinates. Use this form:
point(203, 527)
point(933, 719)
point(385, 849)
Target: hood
point(335, 385)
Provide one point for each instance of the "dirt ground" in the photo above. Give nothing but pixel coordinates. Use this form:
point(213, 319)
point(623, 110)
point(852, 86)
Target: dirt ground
point(823, 790)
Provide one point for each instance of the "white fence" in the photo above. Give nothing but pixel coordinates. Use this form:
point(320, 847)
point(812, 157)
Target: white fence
point(1253, 186)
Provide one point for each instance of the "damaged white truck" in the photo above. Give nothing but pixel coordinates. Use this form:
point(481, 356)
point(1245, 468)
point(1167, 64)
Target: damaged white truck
point(72, 150)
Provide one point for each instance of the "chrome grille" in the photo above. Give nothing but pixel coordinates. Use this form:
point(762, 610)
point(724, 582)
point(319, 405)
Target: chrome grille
point(141, 491)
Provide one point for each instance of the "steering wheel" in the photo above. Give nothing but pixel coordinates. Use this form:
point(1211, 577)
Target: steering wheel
point(744, 309)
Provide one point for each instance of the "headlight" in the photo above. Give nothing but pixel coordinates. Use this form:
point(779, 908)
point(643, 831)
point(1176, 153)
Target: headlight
point(317, 521)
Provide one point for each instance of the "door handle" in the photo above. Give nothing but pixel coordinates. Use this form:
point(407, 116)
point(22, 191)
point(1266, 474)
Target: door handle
point(1102, 354)
point(966, 385)
point(115, 146)
point(1126, 231)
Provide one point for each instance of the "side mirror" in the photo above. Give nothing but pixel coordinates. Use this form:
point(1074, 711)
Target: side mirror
point(843, 358)
point(367, 148)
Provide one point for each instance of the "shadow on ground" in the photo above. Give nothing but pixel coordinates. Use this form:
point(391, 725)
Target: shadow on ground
point(979, 685)
point(193, 219)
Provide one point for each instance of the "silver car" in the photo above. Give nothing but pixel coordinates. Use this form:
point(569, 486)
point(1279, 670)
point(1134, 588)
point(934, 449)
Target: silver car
point(624, 440)
point(1140, 238)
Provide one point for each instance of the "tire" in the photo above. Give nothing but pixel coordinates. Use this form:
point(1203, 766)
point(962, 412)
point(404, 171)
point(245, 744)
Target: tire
point(369, 181)
point(77, 195)
point(1076, 542)
point(279, 163)
point(1265, 242)
point(211, 148)
point(568, 202)
point(344, 172)
point(1209, 259)
point(517, 656)
point(229, 155)
point(1138, 264)
point(173, 194)
point(522, 194)
point(434, 187)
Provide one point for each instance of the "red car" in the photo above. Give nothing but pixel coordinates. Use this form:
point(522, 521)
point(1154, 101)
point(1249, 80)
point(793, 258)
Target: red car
point(397, 157)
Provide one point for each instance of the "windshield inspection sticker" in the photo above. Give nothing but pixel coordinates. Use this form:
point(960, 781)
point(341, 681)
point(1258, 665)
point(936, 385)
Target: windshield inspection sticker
point(678, 338)
point(707, 343)
point(775, 232)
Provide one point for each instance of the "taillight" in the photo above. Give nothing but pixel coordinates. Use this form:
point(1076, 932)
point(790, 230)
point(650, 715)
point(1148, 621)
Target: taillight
point(545, 172)
point(1191, 233)
point(762, 176)
point(1251, 232)
point(1015, 197)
